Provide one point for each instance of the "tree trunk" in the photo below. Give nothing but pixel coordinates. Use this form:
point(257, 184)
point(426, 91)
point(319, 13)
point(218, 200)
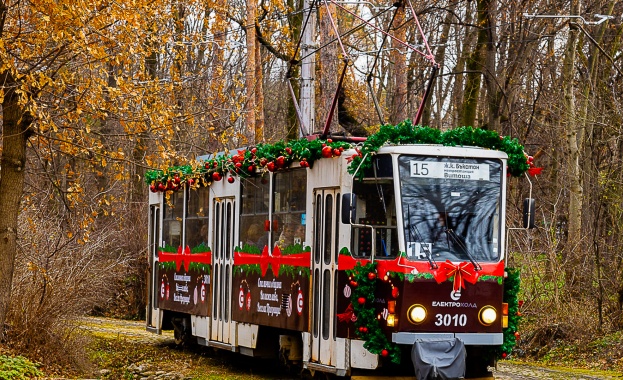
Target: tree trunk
point(259, 96)
point(475, 65)
point(399, 100)
point(328, 67)
point(574, 145)
point(250, 79)
point(15, 131)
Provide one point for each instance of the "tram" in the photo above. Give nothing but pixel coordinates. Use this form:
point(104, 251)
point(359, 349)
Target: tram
point(342, 257)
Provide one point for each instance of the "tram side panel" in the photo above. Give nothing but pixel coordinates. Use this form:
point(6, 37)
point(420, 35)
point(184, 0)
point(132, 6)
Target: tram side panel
point(272, 290)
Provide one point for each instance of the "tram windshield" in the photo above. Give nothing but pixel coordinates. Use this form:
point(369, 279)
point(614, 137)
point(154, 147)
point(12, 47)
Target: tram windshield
point(451, 208)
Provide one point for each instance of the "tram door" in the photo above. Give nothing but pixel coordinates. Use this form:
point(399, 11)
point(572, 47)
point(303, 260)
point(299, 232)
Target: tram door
point(325, 243)
point(154, 239)
point(222, 260)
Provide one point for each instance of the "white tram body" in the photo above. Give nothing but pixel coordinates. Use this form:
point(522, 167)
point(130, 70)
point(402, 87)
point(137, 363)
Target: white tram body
point(258, 294)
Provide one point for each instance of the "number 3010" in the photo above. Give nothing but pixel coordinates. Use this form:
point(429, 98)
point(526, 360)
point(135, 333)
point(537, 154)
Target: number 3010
point(450, 320)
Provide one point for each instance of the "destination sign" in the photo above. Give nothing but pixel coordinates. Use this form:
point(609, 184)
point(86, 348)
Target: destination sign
point(450, 170)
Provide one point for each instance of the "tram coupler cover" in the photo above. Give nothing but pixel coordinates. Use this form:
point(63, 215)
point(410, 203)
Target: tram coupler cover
point(439, 358)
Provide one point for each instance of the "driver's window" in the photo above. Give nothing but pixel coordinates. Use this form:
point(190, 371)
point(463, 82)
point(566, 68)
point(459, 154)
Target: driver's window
point(375, 227)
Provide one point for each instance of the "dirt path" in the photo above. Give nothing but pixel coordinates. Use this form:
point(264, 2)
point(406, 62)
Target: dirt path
point(155, 357)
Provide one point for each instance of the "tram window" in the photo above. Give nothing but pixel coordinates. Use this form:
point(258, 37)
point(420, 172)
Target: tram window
point(338, 212)
point(197, 210)
point(326, 305)
point(376, 214)
point(255, 198)
point(328, 217)
point(172, 222)
point(289, 200)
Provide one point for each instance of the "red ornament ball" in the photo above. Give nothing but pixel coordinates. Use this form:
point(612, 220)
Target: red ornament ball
point(217, 176)
point(361, 300)
point(280, 161)
point(354, 284)
point(395, 292)
point(371, 276)
point(504, 355)
point(230, 179)
point(384, 353)
point(327, 152)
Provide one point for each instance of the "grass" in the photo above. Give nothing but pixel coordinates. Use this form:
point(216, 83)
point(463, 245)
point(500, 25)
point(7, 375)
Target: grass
point(18, 368)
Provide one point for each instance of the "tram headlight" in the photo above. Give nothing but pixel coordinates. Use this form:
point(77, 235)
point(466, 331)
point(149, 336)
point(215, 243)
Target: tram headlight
point(487, 315)
point(416, 314)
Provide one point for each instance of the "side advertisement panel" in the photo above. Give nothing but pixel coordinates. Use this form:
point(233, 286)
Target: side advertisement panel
point(272, 288)
point(185, 279)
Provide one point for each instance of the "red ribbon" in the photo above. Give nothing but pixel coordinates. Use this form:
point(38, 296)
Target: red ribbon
point(185, 257)
point(347, 314)
point(275, 260)
point(461, 272)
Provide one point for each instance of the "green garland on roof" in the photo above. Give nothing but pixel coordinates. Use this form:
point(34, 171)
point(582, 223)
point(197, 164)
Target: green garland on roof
point(264, 158)
point(407, 133)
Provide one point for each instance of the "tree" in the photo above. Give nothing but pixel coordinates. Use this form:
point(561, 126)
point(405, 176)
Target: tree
point(93, 84)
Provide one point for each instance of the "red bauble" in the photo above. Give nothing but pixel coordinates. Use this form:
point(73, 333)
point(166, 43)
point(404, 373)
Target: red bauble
point(395, 292)
point(327, 152)
point(354, 284)
point(153, 188)
point(230, 179)
point(271, 166)
point(371, 276)
point(289, 150)
point(504, 355)
point(517, 336)
point(337, 152)
point(217, 176)
point(177, 179)
point(263, 162)
point(384, 353)
point(361, 300)
point(161, 187)
point(251, 168)
point(191, 181)
point(238, 164)
point(280, 161)
point(254, 150)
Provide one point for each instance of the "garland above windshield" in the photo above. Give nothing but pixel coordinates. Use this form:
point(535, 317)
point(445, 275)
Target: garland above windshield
point(273, 157)
point(406, 133)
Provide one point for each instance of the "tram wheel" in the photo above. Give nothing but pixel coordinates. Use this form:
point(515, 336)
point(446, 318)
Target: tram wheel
point(182, 334)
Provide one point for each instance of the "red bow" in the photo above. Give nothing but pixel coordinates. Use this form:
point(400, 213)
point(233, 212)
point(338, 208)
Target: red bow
point(461, 272)
point(347, 314)
point(274, 260)
point(185, 258)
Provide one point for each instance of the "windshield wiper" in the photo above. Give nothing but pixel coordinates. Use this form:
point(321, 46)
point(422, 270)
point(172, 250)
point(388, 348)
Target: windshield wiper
point(413, 230)
point(461, 245)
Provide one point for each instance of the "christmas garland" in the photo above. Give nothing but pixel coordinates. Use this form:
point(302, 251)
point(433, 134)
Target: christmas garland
point(363, 281)
point(511, 333)
point(272, 157)
point(407, 133)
